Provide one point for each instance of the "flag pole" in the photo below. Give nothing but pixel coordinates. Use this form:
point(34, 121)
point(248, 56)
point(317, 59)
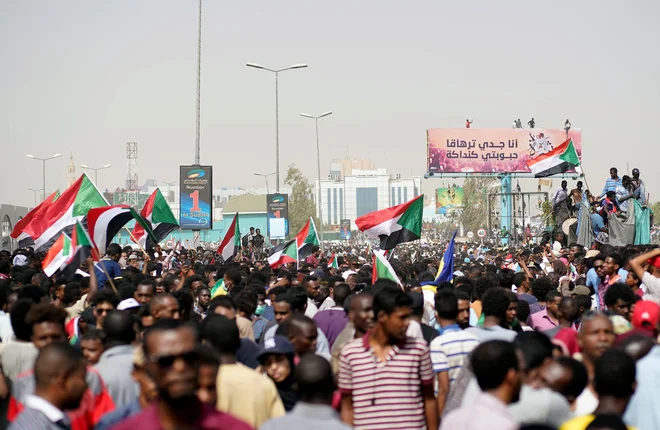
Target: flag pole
point(107, 275)
point(135, 240)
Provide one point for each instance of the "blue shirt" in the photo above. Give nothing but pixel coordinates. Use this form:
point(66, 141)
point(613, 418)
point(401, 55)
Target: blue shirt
point(643, 411)
point(597, 223)
point(118, 415)
point(593, 281)
point(610, 185)
point(112, 267)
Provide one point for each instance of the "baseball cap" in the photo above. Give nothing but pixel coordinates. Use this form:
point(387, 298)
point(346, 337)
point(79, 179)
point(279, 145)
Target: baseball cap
point(646, 315)
point(582, 290)
point(591, 253)
point(348, 273)
point(275, 345)
point(655, 262)
point(128, 304)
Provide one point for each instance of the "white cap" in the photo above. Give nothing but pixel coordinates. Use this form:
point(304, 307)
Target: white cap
point(348, 273)
point(128, 304)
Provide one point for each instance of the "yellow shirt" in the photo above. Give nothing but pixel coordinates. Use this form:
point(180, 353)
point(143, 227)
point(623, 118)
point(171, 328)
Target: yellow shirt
point(581, 423)
point(247, 395)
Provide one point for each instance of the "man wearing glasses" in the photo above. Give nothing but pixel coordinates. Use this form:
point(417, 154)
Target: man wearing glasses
point(171, 360)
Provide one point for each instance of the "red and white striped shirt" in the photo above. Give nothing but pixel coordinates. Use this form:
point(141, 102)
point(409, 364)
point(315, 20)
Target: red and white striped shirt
point(386, 395)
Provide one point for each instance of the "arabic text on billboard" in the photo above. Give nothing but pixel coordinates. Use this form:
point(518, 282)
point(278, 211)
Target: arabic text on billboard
point(196, 197)
point(494, 150)
point(277, 212)
point(448, 199)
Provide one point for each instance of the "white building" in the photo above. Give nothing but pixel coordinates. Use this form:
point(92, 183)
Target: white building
point(359, 192)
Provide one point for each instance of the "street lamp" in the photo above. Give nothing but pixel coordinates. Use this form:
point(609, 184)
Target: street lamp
point(43, 161)
point(265, 176)
point(96, 171)
point(35, 191)
point(277, 114)
point(318, 162)
point(169, 188)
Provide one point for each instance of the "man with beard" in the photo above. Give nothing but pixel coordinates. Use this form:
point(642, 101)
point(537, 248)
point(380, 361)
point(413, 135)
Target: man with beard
point(59, 373)
point(596, 335)
point(497, 369)
point(170, 349)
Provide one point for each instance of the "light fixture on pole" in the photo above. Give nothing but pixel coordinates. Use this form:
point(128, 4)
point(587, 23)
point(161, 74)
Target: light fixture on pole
point(318, 164)
point(169, 189)
point(277, 114)
point(35, 191)
point(43, 161)
point(265, 176)
point(96, 171)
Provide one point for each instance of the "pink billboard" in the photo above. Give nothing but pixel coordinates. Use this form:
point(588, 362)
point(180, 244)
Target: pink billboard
point(492, 150)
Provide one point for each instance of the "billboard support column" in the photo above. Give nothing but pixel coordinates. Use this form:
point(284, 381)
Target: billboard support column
point(505, 208)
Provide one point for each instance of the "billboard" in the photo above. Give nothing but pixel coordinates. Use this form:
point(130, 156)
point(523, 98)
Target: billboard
point(492, 150)
point(345, 229)
point(196, 197)
point(277, 213)
point(448, 199)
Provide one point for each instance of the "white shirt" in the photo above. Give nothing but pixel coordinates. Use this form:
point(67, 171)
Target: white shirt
point(311, 308)
point(652, 285)
point(6, 331)
point(44, 406)
point(586, 403)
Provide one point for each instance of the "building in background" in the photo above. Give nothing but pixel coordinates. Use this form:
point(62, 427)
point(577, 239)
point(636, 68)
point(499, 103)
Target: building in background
point(357, 192)
point(341, 168)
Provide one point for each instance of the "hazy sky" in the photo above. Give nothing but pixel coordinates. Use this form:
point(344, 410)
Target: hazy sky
point(88, 76)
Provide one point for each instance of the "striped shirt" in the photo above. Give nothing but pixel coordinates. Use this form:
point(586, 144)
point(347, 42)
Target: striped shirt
point(386, 395)
point(450, 350)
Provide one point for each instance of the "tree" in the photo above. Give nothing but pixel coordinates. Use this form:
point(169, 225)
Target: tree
point(655, 210)
point(474, 214)
point(301, 200)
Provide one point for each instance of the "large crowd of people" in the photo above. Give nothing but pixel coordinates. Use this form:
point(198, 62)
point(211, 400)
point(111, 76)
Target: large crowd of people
point(551, 335)
point(559, 332)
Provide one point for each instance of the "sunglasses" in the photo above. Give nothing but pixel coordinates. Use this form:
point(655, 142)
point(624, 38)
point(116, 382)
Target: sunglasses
point(167, 361)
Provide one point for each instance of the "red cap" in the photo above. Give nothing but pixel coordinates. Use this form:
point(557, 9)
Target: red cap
point(655, 261)
point(646, 315)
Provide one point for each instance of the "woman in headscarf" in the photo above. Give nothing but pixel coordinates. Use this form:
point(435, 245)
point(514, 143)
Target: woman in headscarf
point(277, 361)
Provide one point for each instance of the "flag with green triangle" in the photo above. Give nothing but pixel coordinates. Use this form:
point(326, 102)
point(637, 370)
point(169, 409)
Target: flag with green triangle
point(398, 224)
point(72, 206)
point(219, 288)
point(332, 263)
point(382, 269)
point(57, 255)
point(231, 242)
point(157, 212)
point(283, 254)
point(306, 239)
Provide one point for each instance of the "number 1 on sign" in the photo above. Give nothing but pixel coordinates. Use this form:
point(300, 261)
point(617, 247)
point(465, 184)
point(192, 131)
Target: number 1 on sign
point(195, 198)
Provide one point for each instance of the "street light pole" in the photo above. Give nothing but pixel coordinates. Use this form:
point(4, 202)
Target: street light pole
point(265, 176)
point(318, 164)
point(96, 171)
point(43, 161)
point(277, 113)
point(35, 191)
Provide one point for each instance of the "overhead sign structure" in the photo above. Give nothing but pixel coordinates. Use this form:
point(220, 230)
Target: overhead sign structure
point(494, 150)
point(196, 197)
point(277, 214)
point(345, 229)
